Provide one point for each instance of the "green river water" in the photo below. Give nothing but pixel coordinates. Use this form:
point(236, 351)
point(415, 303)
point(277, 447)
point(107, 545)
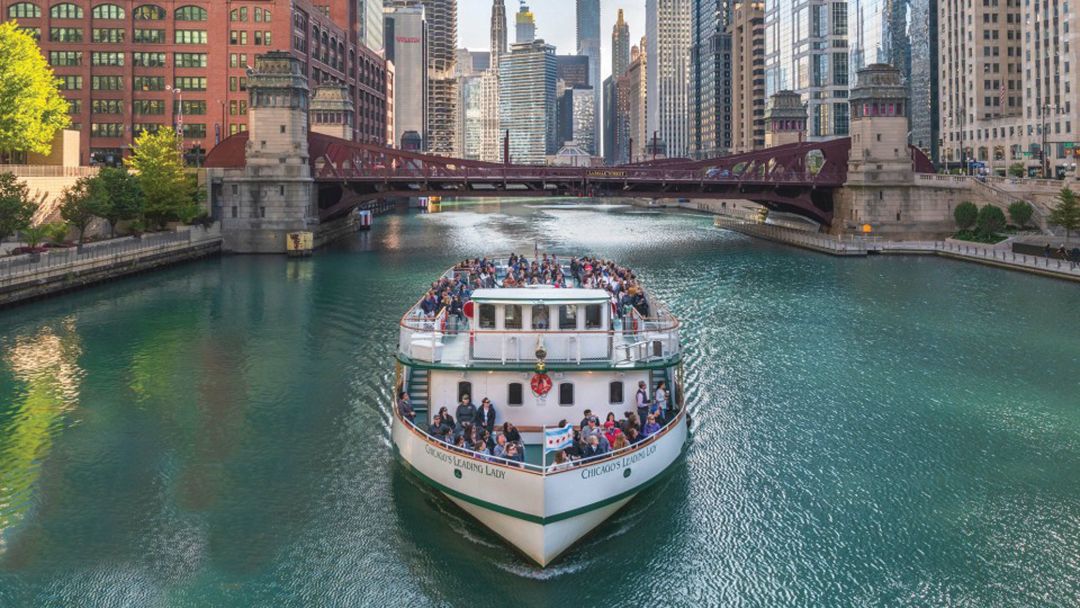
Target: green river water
point(892, 431)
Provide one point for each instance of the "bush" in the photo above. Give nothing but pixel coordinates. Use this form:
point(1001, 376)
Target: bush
point(1017, 170)
point(966, 214)
point(1020, 213)
point(990, 220)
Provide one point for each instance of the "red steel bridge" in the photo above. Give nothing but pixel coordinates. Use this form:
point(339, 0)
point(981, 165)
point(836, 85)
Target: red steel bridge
point(799, 178)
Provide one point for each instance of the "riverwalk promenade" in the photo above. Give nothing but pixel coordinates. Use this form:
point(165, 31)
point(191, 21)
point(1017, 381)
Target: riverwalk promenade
point(862, 246)
point(25, 277)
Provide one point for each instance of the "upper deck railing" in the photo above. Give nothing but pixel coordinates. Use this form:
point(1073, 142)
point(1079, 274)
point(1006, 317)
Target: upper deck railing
point(630, 340)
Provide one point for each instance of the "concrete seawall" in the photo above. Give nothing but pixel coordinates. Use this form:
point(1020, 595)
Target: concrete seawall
point(31, 281)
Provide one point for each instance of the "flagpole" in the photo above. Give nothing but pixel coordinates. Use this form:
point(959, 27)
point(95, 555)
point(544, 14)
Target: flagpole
point(543, 446)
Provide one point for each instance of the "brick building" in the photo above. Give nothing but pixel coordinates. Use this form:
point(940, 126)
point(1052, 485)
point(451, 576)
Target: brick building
point(128, 66)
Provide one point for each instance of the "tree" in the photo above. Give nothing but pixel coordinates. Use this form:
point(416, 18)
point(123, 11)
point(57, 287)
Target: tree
point(1016, 169)
point(1020, 212)
point(31, 107)
point(78, 206)
point(991, 219)
point(168, 193)
point(965, 214)
point(16, 207)
point(116, 196)
point(1067, 212)
point(33, 235)
point(56, 232)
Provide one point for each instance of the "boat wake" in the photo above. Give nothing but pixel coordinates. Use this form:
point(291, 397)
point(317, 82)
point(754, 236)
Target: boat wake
point(543, 574)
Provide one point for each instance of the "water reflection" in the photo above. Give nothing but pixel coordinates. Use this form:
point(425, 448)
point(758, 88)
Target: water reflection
point(45, 368)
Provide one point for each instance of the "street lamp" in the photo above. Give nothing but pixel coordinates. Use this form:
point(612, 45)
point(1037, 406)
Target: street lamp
point(179, 94)
point(1046, 127)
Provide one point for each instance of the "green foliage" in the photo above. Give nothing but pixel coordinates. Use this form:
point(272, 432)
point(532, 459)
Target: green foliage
point(1020, 213)
point(33, 235)
point(16, 206)
point(1067, 211)
point(169, 193)
point(31, 107)
point(1017, 170)
point(56, 232)
point(78, 206)
point(975, 237)
point(991, 219)
point(965, 214)
point(117, 196)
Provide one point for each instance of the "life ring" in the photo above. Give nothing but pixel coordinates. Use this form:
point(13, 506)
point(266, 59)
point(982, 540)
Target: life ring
point(541, 384)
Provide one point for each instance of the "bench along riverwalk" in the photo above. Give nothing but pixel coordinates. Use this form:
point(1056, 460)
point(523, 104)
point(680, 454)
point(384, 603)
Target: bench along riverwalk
point(849, 246)
point(28, 276)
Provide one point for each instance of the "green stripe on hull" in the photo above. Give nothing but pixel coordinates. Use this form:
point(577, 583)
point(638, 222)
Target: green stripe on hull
point(536, 519)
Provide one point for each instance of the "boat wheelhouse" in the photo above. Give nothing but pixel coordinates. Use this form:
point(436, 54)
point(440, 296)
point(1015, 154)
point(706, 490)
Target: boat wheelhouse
point(541, 355)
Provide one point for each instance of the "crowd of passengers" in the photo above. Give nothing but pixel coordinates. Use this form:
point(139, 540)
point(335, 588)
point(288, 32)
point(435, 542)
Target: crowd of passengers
point(451, 293)
point(472, 430)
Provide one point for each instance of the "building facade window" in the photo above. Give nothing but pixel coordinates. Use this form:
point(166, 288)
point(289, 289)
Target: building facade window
point(190, 37)
point(66, 11)
point(24, 10)
point(148, 60)
point(108, 35)
point(191, 13)
point(107, 11)
point(149, 12)
point(65, 34)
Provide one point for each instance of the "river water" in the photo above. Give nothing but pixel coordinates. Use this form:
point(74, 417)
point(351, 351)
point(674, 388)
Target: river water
point(894, 431)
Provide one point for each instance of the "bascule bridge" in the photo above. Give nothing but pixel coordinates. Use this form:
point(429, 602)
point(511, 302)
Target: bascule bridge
point(297, 170)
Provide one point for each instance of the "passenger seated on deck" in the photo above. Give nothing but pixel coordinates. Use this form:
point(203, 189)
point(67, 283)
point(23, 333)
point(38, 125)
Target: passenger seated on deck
point(593, 448)
point(447, 419)
point(585, 420)
point(481, 449)
point(633, 436)
point(611, 432)
point(651, 427)
point(620, 442)
point(590, 429)
point(513, 454)
point(561, 461)
point(511, 432)
point(500, 446)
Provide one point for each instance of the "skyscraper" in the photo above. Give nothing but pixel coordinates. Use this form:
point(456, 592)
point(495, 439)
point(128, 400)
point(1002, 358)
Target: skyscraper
point(898, 32)
point(498, 32)
point(588, 44)
point(526, 24)
point(620, 46)
point(527, 78)
point(710, 79)
point(406, 46)
point(806, 51)
point(747, 33)
point(667, 33)
point(369, 15)
point(442, 92)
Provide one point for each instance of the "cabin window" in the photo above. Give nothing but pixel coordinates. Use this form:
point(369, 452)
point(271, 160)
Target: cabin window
point(539, 316)
point(566, 394)
point(568, 316)
point(464, 388)
point(487, 316)
point(615, 392)
point(513, 316)
point(515, 394)
point(594, 318)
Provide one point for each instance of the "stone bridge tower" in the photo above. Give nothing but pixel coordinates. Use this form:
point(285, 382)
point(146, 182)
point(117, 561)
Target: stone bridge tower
point(785, 119)
point(275, 193)
point(880, 191)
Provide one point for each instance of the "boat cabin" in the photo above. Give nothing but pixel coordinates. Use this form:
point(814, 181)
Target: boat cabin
point(512, 324)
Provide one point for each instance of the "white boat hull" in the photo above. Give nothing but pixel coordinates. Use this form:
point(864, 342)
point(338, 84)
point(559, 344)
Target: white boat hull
point(541, 515)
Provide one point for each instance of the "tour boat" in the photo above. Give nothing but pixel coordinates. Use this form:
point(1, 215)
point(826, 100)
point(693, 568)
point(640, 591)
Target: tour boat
point(540, 354)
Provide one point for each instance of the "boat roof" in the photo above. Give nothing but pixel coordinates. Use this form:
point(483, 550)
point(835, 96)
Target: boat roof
point(540, 294)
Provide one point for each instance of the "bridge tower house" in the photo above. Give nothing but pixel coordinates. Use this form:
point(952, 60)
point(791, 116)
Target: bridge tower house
point(785, 119)
point(274, 194)
point(332, 112)
point(880, 190)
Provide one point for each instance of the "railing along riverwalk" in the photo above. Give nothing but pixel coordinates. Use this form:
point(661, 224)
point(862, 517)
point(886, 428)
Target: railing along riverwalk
point(31, 267)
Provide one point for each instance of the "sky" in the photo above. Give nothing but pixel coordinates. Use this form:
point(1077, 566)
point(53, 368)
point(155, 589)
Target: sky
point(555, 23)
